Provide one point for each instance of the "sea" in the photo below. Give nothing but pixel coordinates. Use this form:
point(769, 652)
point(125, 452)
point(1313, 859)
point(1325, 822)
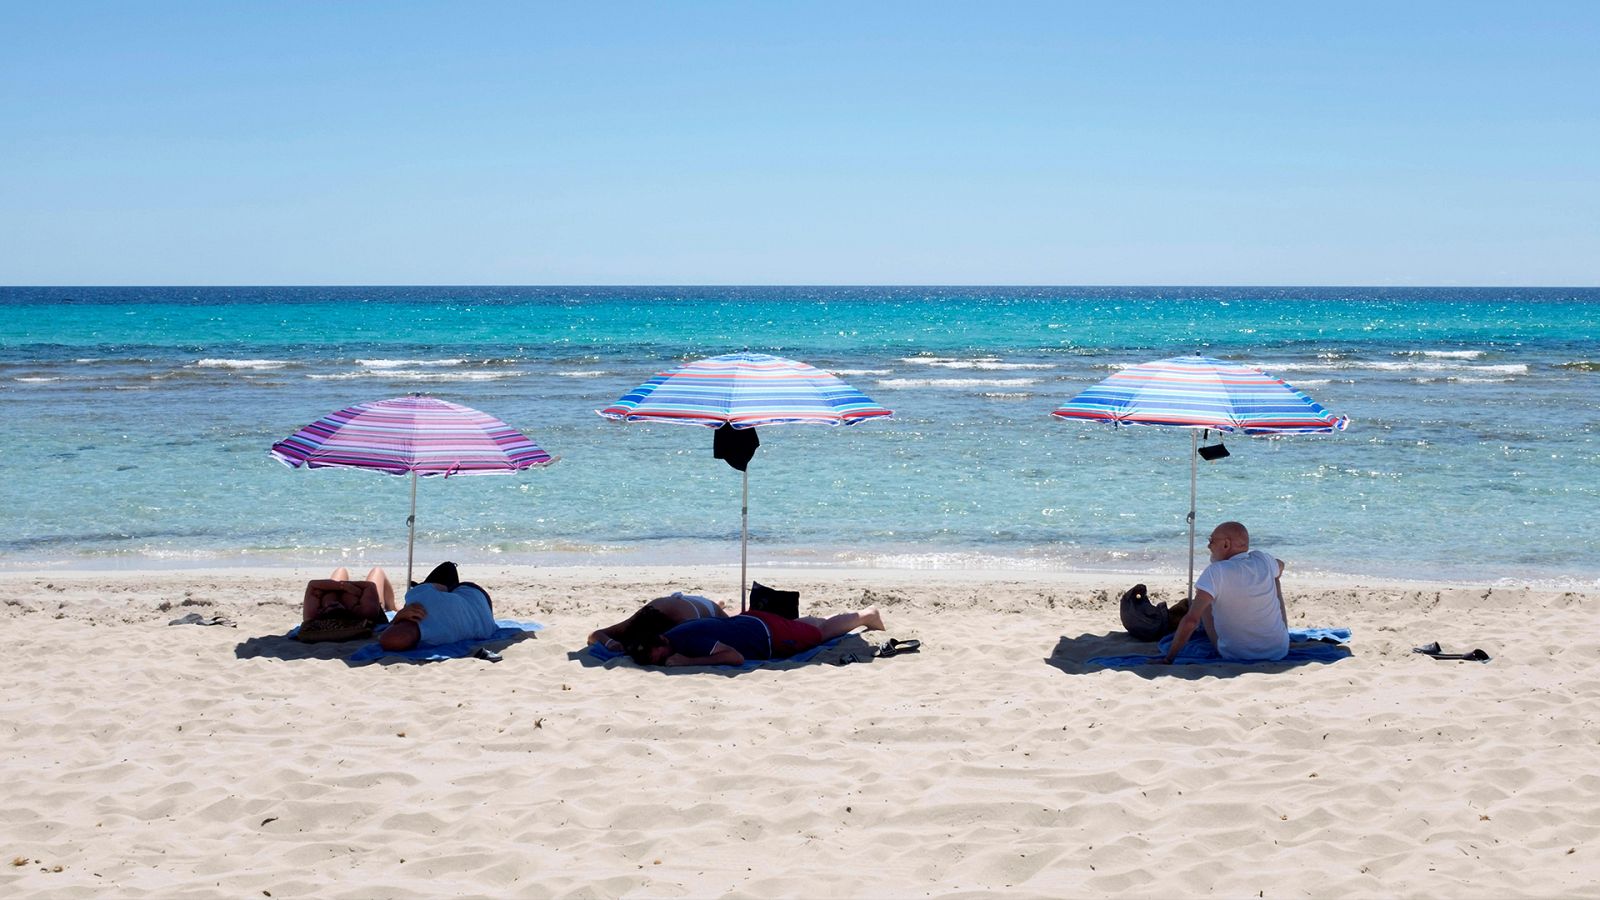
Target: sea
point(138, 420)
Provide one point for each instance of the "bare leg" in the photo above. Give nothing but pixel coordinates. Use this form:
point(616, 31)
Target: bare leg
point(844, 623)
point(385, 589)
point(340, 574)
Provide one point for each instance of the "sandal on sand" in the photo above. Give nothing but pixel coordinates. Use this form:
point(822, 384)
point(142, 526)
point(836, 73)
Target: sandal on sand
point(1434, 651)
point(197, 619)
point(896, 646)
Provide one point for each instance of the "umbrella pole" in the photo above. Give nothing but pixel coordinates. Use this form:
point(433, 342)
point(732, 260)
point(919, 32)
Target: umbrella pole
point(1194, 468)
point(744, 540)
point(411, 526)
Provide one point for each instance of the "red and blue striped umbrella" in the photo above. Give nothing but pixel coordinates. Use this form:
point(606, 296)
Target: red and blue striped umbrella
point(745, 390)
point(741, 391)
point(1200, 393)
point(417, 436)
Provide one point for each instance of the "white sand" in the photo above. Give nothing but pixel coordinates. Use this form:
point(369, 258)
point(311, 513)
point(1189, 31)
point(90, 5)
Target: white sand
point(138, 759)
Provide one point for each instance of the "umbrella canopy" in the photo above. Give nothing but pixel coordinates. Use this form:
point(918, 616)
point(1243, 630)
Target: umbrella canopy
point(742, 391)
point(1201, 393)
point(417, 436)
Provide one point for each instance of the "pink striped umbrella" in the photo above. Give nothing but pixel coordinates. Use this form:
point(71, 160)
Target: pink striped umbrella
point(417, 436)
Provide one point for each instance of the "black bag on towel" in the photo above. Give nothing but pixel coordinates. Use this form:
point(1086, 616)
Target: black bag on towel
point(779, 603)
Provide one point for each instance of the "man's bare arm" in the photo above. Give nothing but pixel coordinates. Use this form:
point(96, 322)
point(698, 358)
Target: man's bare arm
point(1190, 621)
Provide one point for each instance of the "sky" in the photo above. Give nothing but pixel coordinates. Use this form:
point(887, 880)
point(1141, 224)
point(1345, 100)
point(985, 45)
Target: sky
point(1395, 143)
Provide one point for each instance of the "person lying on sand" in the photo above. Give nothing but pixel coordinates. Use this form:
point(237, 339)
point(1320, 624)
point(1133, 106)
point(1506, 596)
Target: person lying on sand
point(441, 610)
point(678, 608)
point(368, 598)
point(732, 640)
point(1240, 600)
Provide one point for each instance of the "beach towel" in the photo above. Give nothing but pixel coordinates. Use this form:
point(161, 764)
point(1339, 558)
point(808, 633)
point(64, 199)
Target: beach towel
point(604, 655)
point(1306, 645)
point(504, 629)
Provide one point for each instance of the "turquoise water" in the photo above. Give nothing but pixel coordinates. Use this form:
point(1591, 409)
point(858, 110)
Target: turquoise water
point(138, 421)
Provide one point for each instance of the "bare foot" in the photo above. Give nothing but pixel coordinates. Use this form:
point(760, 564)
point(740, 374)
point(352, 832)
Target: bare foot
point(872, 619)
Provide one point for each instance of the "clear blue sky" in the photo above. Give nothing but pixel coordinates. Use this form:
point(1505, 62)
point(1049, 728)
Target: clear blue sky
point(818, 143)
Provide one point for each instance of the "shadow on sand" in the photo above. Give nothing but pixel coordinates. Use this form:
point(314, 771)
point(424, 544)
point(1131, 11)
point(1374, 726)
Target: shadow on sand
point(277, 646)
point(1072, 654)
point(852, 648)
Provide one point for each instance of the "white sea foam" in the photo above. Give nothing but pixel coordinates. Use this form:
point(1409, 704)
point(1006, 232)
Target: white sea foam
point(982, 363)
point(240, 364)
point(950, 560)
point(408, 375)
point(402, 363)
point(956, 382)
point(37, 380)
point(582, 373)
point(1447, 354)
point(1007, 395)
point(1345, 365)
point(1458, 379)
point(840, 372)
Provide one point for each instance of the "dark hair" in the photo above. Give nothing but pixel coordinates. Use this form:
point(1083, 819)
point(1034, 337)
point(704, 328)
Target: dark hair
point(640, 650)
point(445, 573)
point(644, 633)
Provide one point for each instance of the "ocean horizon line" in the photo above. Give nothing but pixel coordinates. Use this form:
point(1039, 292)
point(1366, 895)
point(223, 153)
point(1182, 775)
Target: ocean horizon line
point(820, 285)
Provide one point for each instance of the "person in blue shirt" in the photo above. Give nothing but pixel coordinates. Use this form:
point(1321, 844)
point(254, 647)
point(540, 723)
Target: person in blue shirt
point(441, 610)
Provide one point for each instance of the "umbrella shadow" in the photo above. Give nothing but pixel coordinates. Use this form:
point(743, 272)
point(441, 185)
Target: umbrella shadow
point(1072, 656)
point(277, 646)
point(848, 650)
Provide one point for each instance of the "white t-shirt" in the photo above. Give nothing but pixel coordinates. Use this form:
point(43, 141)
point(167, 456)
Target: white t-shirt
point(1247, 614)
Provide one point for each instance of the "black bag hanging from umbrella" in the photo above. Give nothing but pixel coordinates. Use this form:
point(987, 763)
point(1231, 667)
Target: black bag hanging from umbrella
point(734, 446)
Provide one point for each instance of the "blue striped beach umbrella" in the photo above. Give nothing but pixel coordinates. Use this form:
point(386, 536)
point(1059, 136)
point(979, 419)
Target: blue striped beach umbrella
point(417, 436)
point(1201, 394)
point(740, 391)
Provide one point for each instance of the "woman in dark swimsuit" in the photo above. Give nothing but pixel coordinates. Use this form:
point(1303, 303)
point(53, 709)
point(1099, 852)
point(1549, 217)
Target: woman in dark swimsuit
point(677, 607)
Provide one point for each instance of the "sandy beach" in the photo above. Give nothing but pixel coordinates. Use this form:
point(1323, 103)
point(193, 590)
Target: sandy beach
point(142, 759)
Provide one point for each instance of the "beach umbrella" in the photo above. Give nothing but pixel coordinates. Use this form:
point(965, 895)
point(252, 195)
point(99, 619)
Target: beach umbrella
point(735, 394)
point(1201, 394)
point(417, 436)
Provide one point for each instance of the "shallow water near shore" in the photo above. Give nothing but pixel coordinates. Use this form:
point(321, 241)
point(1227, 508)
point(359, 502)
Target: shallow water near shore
point(139, 420)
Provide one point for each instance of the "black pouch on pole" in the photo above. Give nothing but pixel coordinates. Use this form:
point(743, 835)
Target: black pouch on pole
point(779, 603)
point(734, 446)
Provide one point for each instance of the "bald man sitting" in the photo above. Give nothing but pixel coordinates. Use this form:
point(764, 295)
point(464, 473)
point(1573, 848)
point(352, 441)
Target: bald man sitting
point(1239, 599)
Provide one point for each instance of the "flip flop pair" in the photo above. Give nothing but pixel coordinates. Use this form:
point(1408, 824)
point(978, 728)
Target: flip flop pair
point(1433, 650)
point(895, 647)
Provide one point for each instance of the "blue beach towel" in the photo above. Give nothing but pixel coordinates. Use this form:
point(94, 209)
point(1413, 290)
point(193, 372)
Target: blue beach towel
point(506, 628)
point(604, 655)
point(1306, 645)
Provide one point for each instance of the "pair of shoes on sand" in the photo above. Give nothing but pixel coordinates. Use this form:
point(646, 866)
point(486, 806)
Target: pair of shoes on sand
point(1434, 651)
point(197, 619)
point(895, 647)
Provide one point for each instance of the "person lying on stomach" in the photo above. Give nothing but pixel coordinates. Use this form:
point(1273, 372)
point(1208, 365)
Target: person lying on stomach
point(441, 610)
point(749, 635)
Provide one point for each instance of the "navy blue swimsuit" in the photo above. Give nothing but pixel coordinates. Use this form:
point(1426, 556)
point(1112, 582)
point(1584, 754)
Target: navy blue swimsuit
point(746, 634)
